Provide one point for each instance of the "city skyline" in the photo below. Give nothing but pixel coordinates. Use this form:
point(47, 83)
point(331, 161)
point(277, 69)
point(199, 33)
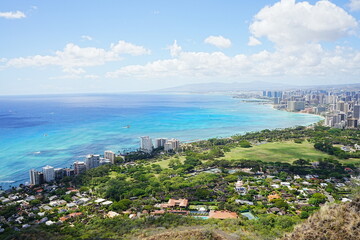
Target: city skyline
point(90, 47)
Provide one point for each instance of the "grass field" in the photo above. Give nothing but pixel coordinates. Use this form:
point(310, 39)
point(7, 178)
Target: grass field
point(165, 163)
point(273, 152)
point(277, 152)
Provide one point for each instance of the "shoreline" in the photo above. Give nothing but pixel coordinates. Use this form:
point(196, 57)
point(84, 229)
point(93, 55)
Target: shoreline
point(6, 183)
point(273, 106)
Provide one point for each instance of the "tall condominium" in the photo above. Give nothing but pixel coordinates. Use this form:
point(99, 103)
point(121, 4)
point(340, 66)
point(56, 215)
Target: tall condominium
point(356, 113)
point(59, 173)
point(340, 106)
point(92, 161)
point(104, 161)
point(49, 173)
point(146, 144)
point(160, 142)
point(69, 172)
point(36, 177)
point(79, 167)
point(172, 144)
point(296, 105)
point(110, 155)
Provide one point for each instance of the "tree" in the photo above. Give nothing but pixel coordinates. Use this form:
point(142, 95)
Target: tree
point(245, 144)
point(301, 162)
point(280, 203)
point(304, 214)
point(174, 164)
point(121, 205)
point(317, 198)
point(201, 193)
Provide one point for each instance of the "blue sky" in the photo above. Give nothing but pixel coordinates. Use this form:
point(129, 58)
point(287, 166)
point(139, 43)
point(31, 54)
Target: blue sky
point(116, 46)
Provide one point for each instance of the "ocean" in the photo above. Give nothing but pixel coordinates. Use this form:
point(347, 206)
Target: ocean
point(60, 129)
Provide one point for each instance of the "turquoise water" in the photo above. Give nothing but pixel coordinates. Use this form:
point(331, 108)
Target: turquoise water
point(202, 217)
point(60, 129)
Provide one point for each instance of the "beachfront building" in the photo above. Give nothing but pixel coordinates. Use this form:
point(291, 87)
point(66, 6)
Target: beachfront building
point(59, 173)
point(49, 173)
point(36, 177)
point(69, 172)
point(160, 142)
point(79, 167)
point(110, 155)
point(92, 161)
point(294, 106)
point(172, 145)
point(146, 144)
point(104, 161)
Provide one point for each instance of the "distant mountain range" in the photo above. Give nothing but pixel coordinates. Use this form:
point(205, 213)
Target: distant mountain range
point(247, 86)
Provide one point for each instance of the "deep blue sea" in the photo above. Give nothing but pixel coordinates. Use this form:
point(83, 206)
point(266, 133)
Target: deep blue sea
point(60, 129)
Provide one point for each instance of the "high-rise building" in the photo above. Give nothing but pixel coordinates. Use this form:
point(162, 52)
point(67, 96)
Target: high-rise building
point(319, 109)
point(356, 112)
point(104, 161)
point(296, 105)
point(59, 173)
point(92, 161)
point(49, 173)
point(278, 94)
point(160, 142)
point(341, 117)
point(340, 106)
point(79, 167)
point(110, 155)
point(36, 177)
point(168, 146)
point(69, 172)
point(146, 144)
point(352, 123)
point(172, 144)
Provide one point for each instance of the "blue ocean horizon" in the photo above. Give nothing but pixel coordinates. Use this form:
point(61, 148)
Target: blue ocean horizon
point(57, 130)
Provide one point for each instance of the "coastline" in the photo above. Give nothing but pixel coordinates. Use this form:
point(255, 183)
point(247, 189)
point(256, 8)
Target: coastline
point(273, 106)
point(222, 132)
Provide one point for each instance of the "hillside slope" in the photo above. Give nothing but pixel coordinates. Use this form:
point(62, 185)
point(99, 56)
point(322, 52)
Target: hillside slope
point(332, 222)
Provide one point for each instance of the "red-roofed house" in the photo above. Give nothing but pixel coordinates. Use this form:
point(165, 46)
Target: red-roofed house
point(71, 215)
point(174, 202)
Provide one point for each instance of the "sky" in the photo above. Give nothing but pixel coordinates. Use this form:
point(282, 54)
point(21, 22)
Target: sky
point(110, 46)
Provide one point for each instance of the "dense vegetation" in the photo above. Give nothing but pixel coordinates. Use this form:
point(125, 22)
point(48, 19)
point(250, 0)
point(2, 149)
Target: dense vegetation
point(139, 181)
point(332, 222)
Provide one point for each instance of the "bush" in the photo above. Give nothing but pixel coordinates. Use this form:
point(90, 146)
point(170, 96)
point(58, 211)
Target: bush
point(245, 144)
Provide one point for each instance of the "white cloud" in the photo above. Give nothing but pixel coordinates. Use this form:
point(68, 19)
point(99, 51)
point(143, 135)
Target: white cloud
point(86, 37)
point(218, 41)
point(73, 57)
point(354, 5)
point(175, 49)
point(253, 41)
point(312, 61)
point(68, 76)
point(91, 76)
point(123, 47)
point(12, 15)
point(288, 23)
point(74, 70)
